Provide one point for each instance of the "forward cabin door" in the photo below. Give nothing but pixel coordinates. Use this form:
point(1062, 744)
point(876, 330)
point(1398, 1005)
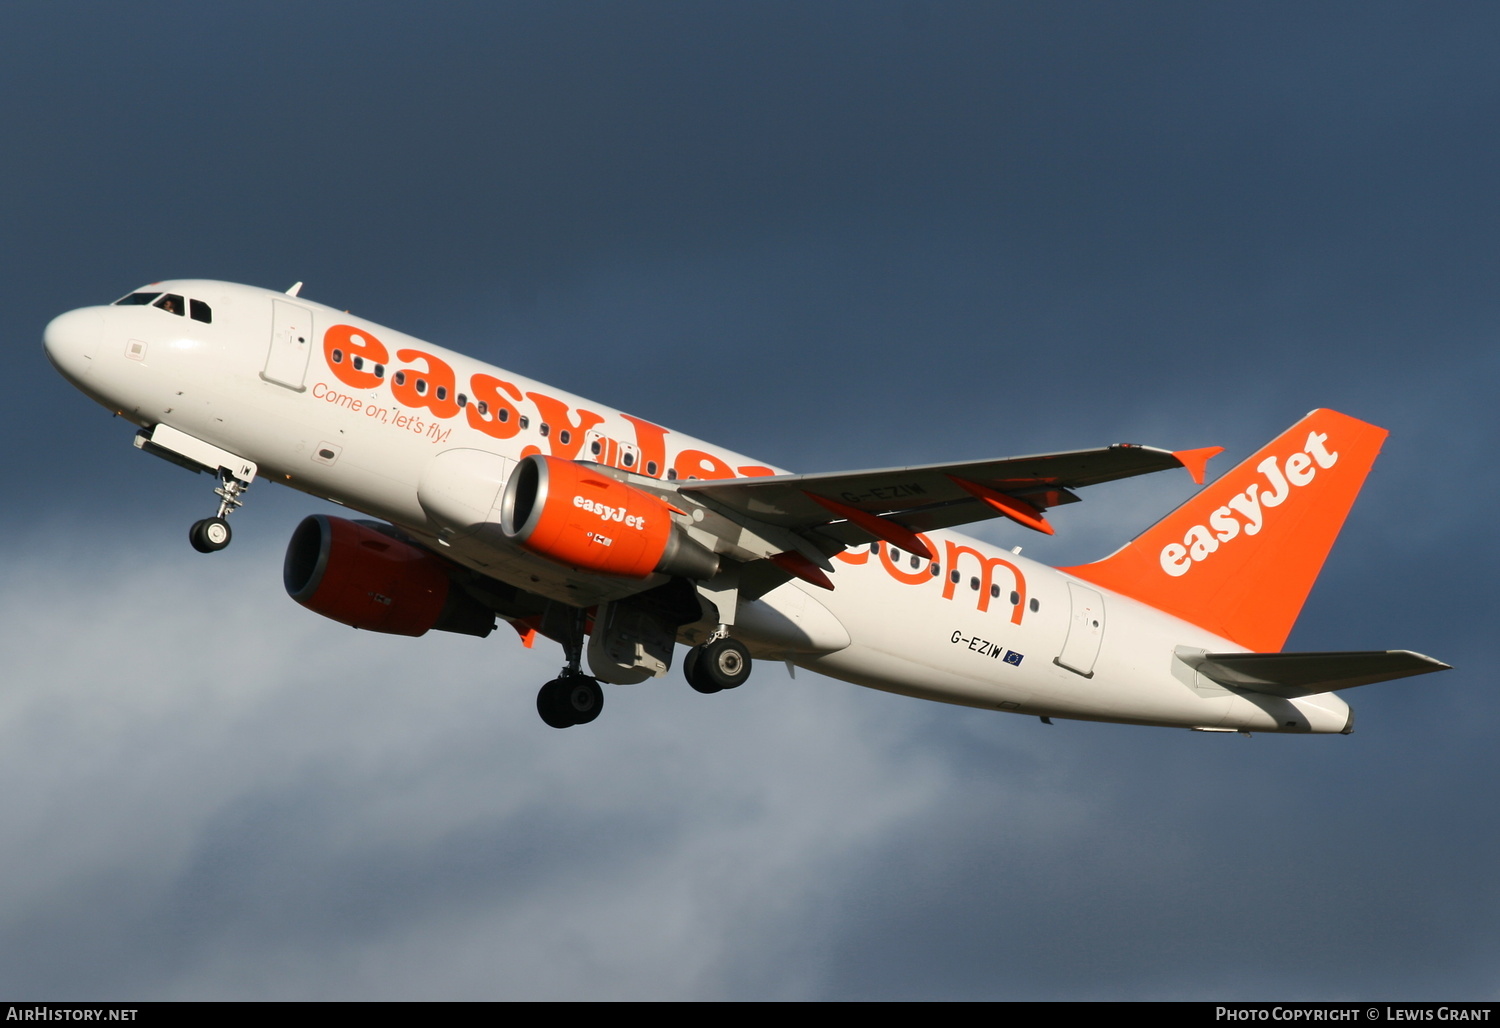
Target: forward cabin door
point(291, 345)
point(1085, 630)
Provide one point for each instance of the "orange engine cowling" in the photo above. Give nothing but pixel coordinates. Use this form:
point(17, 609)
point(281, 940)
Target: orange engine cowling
point(359, 576)
point(574, 514)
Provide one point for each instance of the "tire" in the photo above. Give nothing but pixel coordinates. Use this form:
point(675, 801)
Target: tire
point(582, 698)
point(695, 679)
point(210, 535)
point(724, 663)
point(549, 704)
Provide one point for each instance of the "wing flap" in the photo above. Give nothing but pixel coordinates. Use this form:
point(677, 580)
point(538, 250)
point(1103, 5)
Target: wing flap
point(1290, 675)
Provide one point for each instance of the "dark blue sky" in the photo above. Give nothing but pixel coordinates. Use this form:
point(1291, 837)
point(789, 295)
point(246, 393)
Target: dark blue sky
point(829, 236)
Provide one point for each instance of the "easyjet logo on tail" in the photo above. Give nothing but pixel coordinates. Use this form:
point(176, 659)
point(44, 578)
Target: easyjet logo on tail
point(1247, 511)
point(1239, 557)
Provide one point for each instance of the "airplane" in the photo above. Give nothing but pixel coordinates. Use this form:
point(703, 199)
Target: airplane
point(500, 499)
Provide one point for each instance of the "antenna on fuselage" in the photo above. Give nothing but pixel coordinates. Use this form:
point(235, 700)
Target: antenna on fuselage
point(296, 288)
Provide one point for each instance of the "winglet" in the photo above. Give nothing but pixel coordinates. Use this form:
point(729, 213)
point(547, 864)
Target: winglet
point(1196, 461)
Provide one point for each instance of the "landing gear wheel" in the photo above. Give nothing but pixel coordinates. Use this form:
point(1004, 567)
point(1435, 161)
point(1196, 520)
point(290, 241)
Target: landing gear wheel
point(696, 680)
point(721, 664)
point(570, 700)
point(550, 706)
point(583, 699)
point(209, 535)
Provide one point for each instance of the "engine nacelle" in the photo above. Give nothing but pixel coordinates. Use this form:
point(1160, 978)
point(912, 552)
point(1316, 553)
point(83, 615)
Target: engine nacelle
point(574, 514)
point(361, 577)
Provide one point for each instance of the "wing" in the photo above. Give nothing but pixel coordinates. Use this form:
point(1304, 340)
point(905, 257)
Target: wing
point(895, 503)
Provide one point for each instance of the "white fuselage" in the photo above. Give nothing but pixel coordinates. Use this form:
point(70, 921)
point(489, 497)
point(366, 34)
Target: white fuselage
point(984, 628)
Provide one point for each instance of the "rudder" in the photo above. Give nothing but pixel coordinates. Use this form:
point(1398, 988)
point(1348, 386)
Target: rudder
point(1240, 557)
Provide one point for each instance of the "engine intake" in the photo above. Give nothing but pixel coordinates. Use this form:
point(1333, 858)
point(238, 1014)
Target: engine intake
point(359, 576)
point(570, 513)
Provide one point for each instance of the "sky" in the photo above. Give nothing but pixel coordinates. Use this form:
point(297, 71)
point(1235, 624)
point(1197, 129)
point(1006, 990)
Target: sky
point(829, 236)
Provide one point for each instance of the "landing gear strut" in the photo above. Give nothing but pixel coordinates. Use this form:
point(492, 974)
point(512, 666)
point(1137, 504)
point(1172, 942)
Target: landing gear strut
point(234, 473)
point(721, 663)
point(572, 698)
point(213, 534)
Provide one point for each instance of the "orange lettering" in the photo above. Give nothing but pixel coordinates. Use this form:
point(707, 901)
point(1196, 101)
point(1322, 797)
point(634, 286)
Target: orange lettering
point(697, 464)
point(854, 555)
point(988, 564)
point(500, 418)
point(564, 435)
point(351, 354)
point(755, 471)
point(651, 440)
point(421, 388)
point(909, 577)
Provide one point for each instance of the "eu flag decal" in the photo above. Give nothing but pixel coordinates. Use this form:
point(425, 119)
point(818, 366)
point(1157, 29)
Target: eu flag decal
point(1012, 657)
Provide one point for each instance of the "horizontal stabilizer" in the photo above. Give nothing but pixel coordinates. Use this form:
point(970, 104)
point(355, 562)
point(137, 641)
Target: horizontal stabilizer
point(1291, 675)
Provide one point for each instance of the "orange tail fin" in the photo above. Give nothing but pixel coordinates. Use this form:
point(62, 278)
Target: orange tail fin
point(1240, 557)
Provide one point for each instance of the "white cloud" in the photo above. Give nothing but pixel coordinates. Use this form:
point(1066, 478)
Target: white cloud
point(213, 793)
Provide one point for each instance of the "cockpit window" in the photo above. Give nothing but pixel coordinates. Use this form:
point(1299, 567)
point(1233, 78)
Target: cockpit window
point(172, 303)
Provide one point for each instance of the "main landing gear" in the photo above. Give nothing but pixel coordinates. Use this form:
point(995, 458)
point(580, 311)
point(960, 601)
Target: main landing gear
point(721, 663)
point(572, 698)
point(212, 534)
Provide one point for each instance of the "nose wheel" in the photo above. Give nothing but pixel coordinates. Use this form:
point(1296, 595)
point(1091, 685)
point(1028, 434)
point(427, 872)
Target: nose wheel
point(210, 535)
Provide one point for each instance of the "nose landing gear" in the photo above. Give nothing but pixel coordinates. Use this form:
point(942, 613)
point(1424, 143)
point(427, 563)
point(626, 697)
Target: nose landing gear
point(234, 474)
point(212, 534)
point(209, 535)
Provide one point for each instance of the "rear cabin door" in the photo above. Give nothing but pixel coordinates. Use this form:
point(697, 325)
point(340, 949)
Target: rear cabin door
point(1085, 630)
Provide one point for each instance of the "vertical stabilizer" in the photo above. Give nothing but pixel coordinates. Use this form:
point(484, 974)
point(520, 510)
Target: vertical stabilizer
point(1240, 557)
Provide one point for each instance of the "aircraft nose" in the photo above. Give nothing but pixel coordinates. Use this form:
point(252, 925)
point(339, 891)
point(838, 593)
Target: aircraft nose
point(72, 339)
